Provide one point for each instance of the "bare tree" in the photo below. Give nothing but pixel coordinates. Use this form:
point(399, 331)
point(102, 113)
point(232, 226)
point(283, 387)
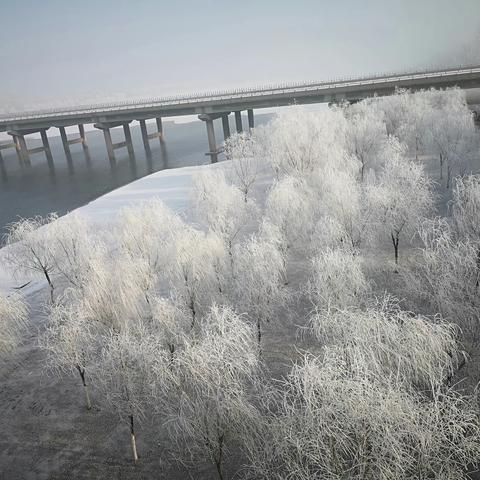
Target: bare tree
point(244, 151)
point(123, 372)
point(452, 132)
point(220, 206)
point(146, 234)
point(29, 248)
point(213, 376)
point(196, 271)
point(258, 280)
point(366, 134)
point(289, 207)
point(71, 342)
point(402, 197)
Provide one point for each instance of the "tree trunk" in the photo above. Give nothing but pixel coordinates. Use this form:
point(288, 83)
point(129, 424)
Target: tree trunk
point(441, 167)
point(449, 175)
point(81, 371)
point(47, 276)
point(395, 240)
point(133, 441)
point(218, 460)
point(259, 332)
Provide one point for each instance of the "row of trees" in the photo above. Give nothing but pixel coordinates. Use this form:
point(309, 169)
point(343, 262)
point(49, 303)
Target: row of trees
point(168, 321)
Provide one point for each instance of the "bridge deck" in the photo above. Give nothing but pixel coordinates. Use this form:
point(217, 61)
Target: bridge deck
point(241, 99)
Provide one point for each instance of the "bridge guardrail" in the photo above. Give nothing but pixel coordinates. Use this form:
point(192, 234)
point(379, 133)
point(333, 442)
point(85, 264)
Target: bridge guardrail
point(295, 87)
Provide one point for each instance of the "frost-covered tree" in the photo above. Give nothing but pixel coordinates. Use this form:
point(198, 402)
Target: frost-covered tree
point(366, 134)
point(415, 350)
point(466, 208)
point(58, 248)
point(220, 205)
point(337, 420)
point(343, 206)
point(259, 272)
point(402, 197)
point(170, 324)
point(244, 151)
point(29, 251)
point(213, 376)
point(336, 280)
point(71, 342)
point(290, 208)
point(123, 372)
point(452, 132)
point(300, 142)
point(13, 317)
point(146, 233)
point(197, 271)
point(446, 277)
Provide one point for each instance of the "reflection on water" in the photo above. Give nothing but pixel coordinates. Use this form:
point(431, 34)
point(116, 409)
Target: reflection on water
point(65, 182)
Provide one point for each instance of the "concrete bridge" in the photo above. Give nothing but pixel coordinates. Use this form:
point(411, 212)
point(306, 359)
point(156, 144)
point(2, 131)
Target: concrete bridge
point(212, 106)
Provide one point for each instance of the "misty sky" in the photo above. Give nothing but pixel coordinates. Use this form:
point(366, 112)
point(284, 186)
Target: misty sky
point(59, 51)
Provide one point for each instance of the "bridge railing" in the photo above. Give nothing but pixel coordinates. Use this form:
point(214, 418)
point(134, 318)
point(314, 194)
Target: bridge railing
point(239, 93)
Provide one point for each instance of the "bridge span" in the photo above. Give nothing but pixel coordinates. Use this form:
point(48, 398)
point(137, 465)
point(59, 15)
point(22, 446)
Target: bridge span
point(212, 106)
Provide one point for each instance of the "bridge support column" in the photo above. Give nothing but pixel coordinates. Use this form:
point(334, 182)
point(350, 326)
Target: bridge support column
point(212, 144)
point(226, 127)
point(111, 147)
point(109, 144)
point(146, 142)
point(238, 121)
point(66, 145)
point(251, 123)
point(22, 149)
point(14, 144)
point(48, 152)
point(160, 129)
point(81, 131)
point(128, 138)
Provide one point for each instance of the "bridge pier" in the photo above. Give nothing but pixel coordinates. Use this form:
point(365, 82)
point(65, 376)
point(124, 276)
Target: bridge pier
point(48, 152)
point(251, 123)
point(66, 142)
point(226, 126)
point(23, 150)
point(14, 144)
point(147, 136)
point(238, 121)
point(214, 150)
point(111, 147)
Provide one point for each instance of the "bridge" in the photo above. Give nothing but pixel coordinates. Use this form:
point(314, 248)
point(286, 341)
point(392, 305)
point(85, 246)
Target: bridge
point(212, 106)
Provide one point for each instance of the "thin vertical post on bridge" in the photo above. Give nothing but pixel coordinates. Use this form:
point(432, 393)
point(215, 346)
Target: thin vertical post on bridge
point(251, 123)
point(146, 141)
point(238, 121)
point(160, 129)
point(128, 138)
point(226, 127)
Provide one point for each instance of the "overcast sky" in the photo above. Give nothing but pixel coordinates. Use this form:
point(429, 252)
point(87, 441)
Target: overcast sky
point(60, 51)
